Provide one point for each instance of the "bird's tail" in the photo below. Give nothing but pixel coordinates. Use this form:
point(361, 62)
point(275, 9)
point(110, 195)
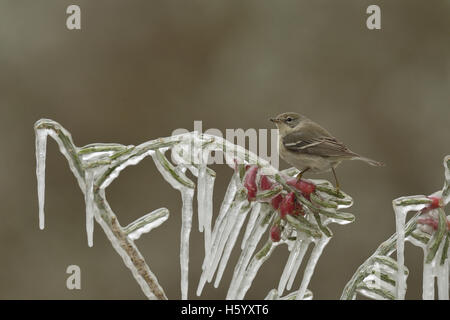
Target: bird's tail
point(370, 161)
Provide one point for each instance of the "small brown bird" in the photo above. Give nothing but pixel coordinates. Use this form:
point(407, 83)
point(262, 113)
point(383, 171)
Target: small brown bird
point(309, 147)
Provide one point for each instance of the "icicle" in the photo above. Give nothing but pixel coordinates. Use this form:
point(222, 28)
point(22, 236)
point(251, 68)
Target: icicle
point(205, 189)
point(253, 240)
point(220, 240)
point(226, 203)
point(146, 223)
point(400, 218)
point(434, 269)
point(251, 223)
point(187, 197)
point(230, 243)
point(218, 226)
point(41, 149)
point(289, 266)
point(180, 182)
point(252, 270)
point(428, 278)
point(315, 255)
point(298, 261)
point(90, 206)
point(209, 189)
point(442, 275)
point(201, 194)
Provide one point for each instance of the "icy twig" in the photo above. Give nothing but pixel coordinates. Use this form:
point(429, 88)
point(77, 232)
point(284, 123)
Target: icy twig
point(393, 284)
point(146, 223)
point(103, 214)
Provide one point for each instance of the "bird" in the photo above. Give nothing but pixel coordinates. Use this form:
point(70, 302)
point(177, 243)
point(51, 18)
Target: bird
point(307, 146)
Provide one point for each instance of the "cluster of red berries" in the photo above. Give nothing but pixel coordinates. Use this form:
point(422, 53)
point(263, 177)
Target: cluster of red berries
point(435, 203)
point(285, 204)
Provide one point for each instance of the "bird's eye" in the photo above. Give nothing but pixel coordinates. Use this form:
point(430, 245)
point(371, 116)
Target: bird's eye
point(289, 119)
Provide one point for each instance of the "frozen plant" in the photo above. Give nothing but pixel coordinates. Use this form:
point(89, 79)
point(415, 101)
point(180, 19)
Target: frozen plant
point(383, 277)
point(286, 211)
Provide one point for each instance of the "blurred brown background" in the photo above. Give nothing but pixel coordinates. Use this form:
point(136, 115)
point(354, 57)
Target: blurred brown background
point(139, 69)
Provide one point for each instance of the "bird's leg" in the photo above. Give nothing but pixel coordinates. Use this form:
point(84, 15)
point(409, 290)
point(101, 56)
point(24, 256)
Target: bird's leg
point(336, 179)
point(299, 175)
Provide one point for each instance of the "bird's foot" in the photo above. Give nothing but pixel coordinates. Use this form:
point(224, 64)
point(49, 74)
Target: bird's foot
point(300, 174)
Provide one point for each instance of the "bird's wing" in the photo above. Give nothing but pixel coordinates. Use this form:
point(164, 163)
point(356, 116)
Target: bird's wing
point(313, 139)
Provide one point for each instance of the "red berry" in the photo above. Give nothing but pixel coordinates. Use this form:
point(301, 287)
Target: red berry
point(287, 204)
point(250, 182)
point(431, 222)
point(275, 233)
point(428, 221)
point(306, 188)
point(265, 183)
point(276, 201)
point(435, 203)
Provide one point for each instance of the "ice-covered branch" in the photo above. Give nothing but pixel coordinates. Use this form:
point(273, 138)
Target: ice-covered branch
point(380, 276)
point(297, 212)
point(96, 204)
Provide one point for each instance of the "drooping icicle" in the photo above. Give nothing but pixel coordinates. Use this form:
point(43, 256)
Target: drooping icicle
point(222, 232)
point(201, 193)
point(289, 266)
point(298, 261)
point(90, 206)
point(186, 224)
point(219, 226)
point(400, 218)
point(428, 279)
point(231, 242)
point(222, 239)
point(226, 203)
point(41, 150)
point(310, 266)
point(252, 269)
point(264, 219)
point(205, 189)
point(442, 275)
point(209, 189)
point(251, 223)
point(146, 223)
point(176, 178)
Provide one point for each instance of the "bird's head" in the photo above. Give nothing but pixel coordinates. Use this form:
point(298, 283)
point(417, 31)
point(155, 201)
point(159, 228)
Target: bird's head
point(287, 121)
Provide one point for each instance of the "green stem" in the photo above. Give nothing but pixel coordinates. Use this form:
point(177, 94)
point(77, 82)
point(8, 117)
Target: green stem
point(438, 236)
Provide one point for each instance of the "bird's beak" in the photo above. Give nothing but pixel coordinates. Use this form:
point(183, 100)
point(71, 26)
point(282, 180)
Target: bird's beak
point(275, 120)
